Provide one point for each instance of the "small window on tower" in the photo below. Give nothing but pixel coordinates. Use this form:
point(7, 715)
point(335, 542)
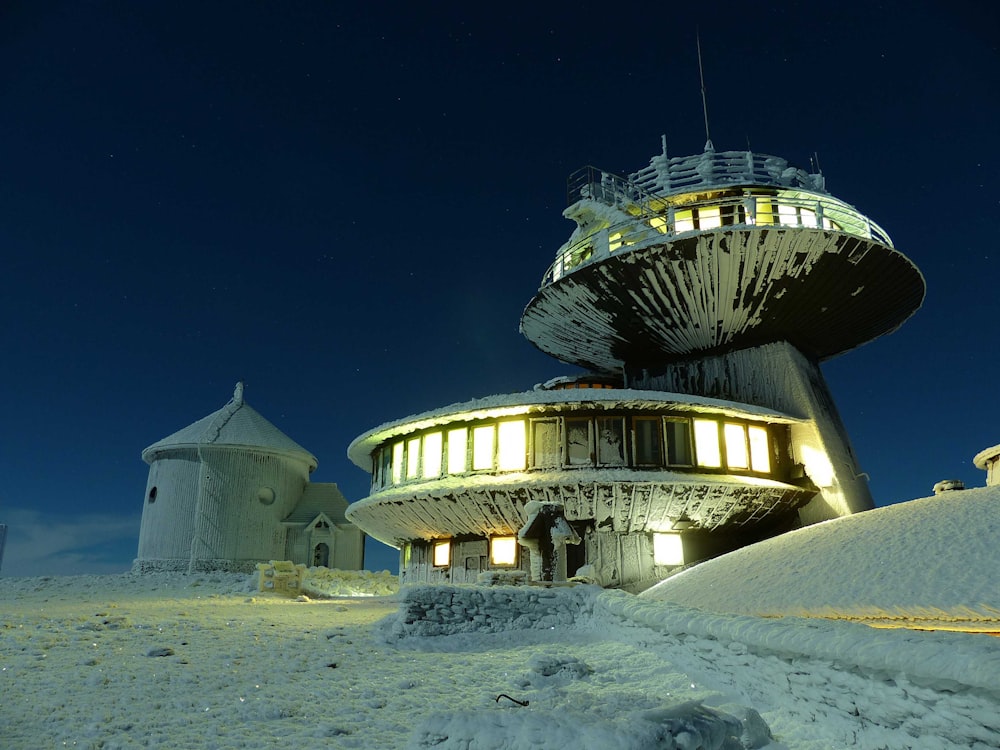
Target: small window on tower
point(152, 495)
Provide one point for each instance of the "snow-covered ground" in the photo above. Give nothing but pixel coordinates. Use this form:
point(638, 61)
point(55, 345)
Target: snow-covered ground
point(175, 661)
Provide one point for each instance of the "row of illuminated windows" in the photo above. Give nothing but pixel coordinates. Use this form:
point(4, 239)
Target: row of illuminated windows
point(503, 552)
point(559, 442)
point(667, 550)
point(758, 211)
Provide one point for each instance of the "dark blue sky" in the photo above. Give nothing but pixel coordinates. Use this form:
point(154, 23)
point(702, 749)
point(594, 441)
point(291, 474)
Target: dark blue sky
point(347, 206)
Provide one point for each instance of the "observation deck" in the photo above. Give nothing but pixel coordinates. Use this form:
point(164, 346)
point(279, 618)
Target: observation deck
point(715, 252)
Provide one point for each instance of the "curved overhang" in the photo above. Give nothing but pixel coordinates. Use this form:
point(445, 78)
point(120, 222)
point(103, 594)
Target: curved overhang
point(620, 500)
point(539, 401)
point(981, 459)
point(823, 291)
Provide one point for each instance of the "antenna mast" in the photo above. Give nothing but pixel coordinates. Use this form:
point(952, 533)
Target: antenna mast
point(704, 102)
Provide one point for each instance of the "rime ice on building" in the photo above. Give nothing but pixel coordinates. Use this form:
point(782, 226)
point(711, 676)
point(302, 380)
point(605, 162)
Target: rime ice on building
point(231, 491)
point(702, 293)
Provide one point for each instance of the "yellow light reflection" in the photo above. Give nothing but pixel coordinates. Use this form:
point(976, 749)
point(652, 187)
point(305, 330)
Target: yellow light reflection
point(668, 549)
point(432, 455)
point(503, 550)
point(706, 443)
point(512, 445)
point(442, 553)
point(457, 445)
point(760, 455)
point(736, 446)
point(482, 446)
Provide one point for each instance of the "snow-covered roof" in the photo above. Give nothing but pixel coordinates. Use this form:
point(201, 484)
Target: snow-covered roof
point(323, 497)
point(980, 459)
point(235, 425)
point(523, 402)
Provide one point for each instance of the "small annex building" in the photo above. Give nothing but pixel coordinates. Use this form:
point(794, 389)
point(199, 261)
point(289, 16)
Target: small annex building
point(231, 491)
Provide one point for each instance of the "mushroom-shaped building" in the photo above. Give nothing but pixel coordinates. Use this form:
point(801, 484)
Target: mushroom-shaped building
point(702, 293)
point(231, 491)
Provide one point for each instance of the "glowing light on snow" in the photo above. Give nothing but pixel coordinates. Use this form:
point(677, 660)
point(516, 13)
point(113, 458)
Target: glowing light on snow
point(706, 443)
point(668, 549)
point(818, 465)
point(442, 553)
point(457, 445)
point(432, 455)
point(503, 550)
point(511, 445)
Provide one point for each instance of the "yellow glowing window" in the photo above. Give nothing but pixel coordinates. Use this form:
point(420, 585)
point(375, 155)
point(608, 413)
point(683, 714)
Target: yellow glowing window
point(683, 221)
point(457, 444)
point(614, 241)
point(412, 458)
point(512, 445)
point(659, 224)
point(503, 550)
point(736, 446)
point(442, 553)
point(482, 446)
point(432, 455)
point(407, 553)
point(706, 443)
point(760, 456)
point(808, 217)
point(788, 215)
point(397, 462)
point(709, 217)
point(668, 549)
point(765, 213)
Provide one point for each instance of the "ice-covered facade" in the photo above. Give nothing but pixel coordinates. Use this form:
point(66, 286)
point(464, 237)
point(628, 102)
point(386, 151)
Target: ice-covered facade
point(231, 491)
point(701, 293)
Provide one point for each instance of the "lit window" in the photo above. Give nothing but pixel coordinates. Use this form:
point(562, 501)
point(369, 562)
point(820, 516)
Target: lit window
point(668, 549)
point(457, 440)
point(614, 241)
point(482, 447)
point(736, 446)
point(503, 550)
point(397, 462)
point(412, 457)
point(432, 455)
point(760, 456)
point(787, 215)
point(407, 553)
point(808, 217)
point(706, 443)
point(709, 218)
point(683, 221)
point(764, 211)
point(442, 553)
point(512, 448)
point(659, 224)
point(678, 442)
point(544, 443)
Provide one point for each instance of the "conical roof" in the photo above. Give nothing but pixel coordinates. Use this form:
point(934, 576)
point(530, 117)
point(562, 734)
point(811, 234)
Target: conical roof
point(235, 425)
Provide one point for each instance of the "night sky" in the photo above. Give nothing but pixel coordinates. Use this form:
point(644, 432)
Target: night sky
point(347, 206)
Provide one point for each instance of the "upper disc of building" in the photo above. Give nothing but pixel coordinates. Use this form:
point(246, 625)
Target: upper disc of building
point(235, 425)
point(715, 252)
